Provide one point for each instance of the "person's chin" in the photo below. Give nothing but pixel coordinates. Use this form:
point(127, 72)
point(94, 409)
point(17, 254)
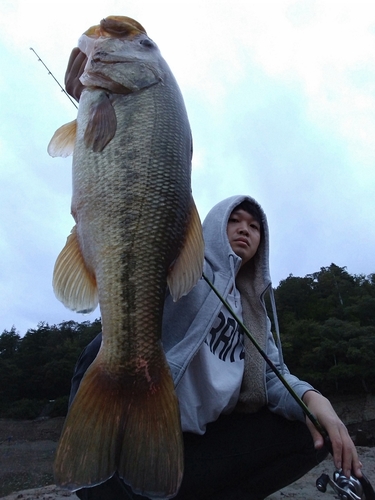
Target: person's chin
point(240, 252)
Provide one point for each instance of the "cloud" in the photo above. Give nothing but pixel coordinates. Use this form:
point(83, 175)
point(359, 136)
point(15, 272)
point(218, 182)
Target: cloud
point(280, 96)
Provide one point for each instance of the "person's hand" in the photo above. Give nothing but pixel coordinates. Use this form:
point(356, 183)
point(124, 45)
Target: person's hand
point(345, 455)
point(76, 65)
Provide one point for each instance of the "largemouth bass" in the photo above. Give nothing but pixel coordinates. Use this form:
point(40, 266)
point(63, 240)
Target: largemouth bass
point(137, 230)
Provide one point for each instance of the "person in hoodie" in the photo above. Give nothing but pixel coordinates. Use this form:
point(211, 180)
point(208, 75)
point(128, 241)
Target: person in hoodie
point(244, 434)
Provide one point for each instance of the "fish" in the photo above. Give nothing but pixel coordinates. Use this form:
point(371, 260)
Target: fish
point(137, 233)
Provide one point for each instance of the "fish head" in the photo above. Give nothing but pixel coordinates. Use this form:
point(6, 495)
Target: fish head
point(121, 57)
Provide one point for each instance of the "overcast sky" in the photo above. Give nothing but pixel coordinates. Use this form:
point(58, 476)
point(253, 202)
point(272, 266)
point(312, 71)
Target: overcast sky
point(281, 100)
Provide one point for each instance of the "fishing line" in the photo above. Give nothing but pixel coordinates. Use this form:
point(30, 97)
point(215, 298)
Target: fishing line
point(58, 83)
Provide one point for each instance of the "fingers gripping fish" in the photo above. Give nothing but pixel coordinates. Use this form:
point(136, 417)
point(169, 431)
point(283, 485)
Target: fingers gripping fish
point(137, 230)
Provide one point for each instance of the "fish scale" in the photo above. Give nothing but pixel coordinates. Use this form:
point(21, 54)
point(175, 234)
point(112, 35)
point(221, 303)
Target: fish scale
point(137, 230)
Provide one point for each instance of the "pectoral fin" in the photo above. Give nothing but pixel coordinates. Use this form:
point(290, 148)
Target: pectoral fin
point(63, 140)
point(74, 285)
point(187, 269)
point(102, 124)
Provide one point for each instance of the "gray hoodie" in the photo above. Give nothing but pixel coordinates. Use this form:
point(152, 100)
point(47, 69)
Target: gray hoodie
point(187, 322)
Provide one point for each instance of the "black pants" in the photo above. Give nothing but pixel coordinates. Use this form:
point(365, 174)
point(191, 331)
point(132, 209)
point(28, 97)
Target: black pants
point(241, 456)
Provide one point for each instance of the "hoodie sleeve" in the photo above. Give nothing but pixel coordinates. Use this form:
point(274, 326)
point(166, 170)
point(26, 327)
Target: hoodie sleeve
point(280, 401)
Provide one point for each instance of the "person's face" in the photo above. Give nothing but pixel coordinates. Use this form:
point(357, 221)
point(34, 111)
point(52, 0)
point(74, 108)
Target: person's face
point(243, 232)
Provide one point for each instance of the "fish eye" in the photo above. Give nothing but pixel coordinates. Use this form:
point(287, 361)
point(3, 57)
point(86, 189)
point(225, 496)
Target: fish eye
point(147, 43)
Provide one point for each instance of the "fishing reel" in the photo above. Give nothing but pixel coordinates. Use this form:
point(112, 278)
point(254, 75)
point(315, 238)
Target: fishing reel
point(351, 488)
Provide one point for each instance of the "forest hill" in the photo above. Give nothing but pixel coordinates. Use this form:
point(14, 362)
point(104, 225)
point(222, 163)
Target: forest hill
point(327, 325)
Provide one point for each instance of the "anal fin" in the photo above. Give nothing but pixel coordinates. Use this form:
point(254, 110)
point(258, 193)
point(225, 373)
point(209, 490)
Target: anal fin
point(74, 285)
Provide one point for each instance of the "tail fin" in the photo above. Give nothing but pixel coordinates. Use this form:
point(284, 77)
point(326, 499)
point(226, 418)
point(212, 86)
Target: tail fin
point(111, 427)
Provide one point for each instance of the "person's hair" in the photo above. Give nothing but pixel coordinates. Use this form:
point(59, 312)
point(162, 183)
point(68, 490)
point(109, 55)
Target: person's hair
point(251, 209)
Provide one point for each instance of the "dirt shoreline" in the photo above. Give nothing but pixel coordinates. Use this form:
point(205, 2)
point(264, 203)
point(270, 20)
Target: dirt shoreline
point(304, 488)
point(27, 450)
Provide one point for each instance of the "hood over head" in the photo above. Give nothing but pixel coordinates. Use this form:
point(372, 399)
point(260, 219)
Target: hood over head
point(219, 252)
point(187, 322)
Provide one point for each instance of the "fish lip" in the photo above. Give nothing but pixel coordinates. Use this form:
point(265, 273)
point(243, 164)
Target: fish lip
point(98, 57)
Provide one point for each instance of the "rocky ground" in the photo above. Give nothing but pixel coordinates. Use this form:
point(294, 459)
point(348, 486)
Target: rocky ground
point(27, 449)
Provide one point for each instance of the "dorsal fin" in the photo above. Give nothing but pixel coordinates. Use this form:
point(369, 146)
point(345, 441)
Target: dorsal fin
point(187, 269)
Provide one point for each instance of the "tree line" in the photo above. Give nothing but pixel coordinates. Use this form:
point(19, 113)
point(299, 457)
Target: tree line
point(327, 325)
point(36, 369)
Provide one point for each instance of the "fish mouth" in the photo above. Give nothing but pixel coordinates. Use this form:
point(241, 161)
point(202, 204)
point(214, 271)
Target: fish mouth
point(102, 57)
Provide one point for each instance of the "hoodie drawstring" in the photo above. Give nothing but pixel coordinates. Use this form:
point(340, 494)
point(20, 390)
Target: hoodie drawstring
point(233, 271)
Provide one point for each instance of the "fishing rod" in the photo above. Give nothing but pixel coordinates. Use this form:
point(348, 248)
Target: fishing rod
point(352, 488)
point(58, 83)
point(305, 409)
